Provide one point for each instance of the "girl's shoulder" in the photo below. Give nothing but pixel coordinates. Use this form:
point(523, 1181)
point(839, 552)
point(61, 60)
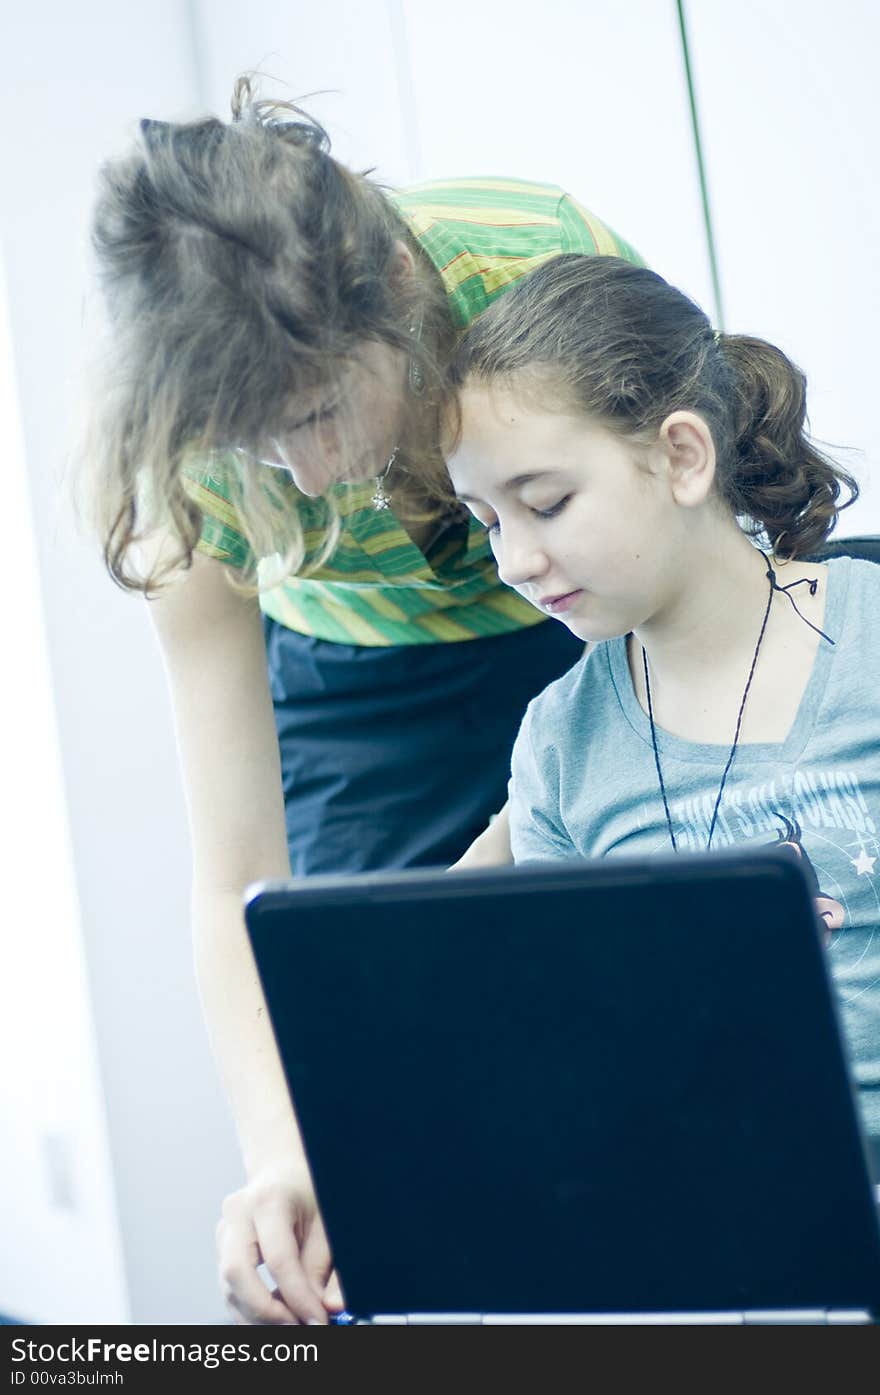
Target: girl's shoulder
point(852, 614)
point(579, 686)
point(858, 582)
point(865, 572)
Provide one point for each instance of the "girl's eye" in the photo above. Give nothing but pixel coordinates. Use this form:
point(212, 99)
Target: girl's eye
point(554, 510)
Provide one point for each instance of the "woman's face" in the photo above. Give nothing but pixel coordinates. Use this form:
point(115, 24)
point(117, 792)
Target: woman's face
point(579, 523)
point(345, 432)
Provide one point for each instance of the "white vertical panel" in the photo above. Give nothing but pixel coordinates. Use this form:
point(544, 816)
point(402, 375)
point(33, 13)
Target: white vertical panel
point(58, 1217)
point(81, 77)
point(788, 97)
point(580, 93)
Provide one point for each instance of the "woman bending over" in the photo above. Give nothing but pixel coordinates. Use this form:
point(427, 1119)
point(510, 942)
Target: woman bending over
point(348, 672)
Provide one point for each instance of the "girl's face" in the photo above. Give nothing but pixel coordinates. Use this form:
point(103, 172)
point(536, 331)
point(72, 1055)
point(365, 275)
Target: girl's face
point(346, 431)
point(582, 523)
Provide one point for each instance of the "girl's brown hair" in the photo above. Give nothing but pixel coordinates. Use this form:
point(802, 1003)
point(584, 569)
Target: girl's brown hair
point(240, 263)
point(627, 348)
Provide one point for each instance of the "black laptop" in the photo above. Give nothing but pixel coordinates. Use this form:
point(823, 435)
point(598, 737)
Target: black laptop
point(610, 1091)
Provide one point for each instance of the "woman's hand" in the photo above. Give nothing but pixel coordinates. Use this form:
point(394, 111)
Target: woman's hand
point(274, 1220)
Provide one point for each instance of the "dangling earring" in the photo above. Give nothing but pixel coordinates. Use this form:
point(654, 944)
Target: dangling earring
point(416, 380)
point(380, 499)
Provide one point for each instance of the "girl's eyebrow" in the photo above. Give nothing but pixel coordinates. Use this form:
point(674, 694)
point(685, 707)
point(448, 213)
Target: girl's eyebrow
point(516, 483)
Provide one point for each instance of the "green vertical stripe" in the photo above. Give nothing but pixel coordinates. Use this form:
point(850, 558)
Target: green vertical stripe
point(701, 168)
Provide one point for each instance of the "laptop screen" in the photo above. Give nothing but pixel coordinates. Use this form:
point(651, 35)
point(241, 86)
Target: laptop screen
point(604, 1087)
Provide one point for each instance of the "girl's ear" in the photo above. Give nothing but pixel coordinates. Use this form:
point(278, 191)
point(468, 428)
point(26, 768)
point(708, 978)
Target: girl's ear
point(688, 451)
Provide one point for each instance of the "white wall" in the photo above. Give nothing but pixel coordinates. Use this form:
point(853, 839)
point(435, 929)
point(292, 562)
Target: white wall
point(788, 96)
point(587, 94)
point(72, 91)
point(343, 60)
point(57, 1200)
point(590, 97)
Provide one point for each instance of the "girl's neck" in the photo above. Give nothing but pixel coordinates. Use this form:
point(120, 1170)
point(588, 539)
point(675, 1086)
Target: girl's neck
point(714, 609)
point(701, 644)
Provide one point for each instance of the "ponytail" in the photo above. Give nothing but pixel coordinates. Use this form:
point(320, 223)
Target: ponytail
point(779, 479)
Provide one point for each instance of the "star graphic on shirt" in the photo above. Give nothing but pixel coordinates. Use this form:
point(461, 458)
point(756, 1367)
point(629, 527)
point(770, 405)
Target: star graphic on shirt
point(863, 864)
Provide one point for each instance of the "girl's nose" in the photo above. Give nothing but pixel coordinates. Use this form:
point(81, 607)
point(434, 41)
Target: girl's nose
point(519, 560)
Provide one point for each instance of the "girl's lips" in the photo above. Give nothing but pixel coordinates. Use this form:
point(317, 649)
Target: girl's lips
point(556, 604)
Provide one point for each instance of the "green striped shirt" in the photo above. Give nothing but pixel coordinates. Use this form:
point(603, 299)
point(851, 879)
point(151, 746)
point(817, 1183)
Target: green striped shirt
point(378, 587)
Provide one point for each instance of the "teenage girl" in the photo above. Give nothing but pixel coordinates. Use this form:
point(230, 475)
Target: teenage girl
point(648, 482)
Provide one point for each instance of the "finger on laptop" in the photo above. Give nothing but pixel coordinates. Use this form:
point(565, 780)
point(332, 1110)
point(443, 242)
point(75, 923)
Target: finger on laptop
point(831, 913)
point(334, 1299)
point(239, 1259)
point(317, 1264)
point(277, 1227)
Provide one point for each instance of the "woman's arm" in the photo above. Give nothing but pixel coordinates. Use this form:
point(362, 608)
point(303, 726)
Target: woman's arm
point(212, 644)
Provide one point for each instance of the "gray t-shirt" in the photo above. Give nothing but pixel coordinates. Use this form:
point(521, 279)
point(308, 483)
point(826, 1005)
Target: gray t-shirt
point(584, 782)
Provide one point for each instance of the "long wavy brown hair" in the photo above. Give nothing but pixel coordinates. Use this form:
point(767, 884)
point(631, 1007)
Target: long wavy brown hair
point(240, 264)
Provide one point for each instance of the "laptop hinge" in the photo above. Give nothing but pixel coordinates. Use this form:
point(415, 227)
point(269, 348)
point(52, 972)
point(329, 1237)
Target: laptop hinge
point(444, 1319)
point(752, 1317)
point(769, 1316)
point(610, 1319)
point(425, 1319)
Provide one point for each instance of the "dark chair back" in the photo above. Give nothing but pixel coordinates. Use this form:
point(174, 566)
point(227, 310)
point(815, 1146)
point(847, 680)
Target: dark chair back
point(867, 546)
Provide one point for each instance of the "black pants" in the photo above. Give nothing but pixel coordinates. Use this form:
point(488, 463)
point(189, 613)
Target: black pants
point(398, 756)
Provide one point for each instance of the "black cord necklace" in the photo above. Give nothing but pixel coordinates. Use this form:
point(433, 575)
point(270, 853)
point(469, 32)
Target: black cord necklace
point(774, 586)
